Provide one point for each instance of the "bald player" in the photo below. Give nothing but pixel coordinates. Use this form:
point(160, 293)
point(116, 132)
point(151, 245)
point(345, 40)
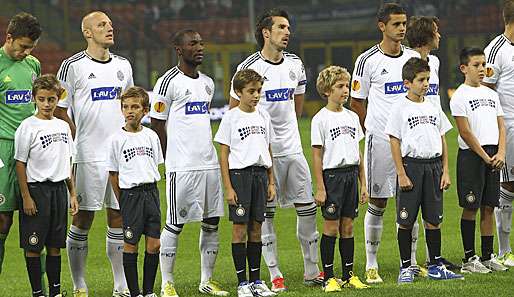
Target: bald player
point(94, 79)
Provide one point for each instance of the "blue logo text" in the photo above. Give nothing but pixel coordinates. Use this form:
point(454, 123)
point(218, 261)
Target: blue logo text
point(105, 93)
point(279, 95)
point(395, 88)
point(18, 96)
point(200, 107)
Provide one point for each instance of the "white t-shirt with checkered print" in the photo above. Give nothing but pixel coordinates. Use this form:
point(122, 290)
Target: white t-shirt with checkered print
point(249, 135)
point(136, 157)
point(339, 134)
point(183, 102)
point(282, 81)
point(46, 146)
point(481, 106)
point(419, 126)
point(93, 90)
point(377, 77)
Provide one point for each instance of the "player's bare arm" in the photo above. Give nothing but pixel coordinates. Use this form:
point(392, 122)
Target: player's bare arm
point(364, 194)
point(359, 107)
point(29, 206)
point(62, 113)
point(298, 104)
point(115, 182)
point(498, 160)
point(445, 178)
point(159, 126)
point(230, 194)
point(317, 163)
point(272, 192)
point(470, 139)
point(403, 180)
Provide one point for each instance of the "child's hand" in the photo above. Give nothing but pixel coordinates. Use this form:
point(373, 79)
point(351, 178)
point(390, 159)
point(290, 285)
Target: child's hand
point(29, 206)
point(488, 161)
point(74, 205)
point(320, 197)
point(231, 197)
point(405, 183)
point(445, 181)
point(498, 161)
point(272, 192)
point(364, 197)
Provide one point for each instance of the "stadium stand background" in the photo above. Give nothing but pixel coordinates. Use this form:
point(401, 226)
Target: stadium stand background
point(324, 32)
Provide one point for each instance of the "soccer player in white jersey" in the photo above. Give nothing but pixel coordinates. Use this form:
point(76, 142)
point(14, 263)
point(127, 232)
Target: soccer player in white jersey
point(500, 76)
point(377, 78)
point(282, 97)
point(94, 79)
point(180, 116)
point(423, 36)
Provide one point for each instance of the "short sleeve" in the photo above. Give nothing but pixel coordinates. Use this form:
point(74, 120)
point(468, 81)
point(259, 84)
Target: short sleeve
point(22, 142)
point(67, 80)
point(162, 97)
point(71, 143)
point(493, 65)
point(361, 80)
point(302, 80)
point(159, 158)
point(360, 133)
point(223, 134)
point(317, 132)
point(232, 91)
point(499, 109)
point(113, 157)
point(458, 107)
point(394, 123)
point(269, 127)
point(130, 81)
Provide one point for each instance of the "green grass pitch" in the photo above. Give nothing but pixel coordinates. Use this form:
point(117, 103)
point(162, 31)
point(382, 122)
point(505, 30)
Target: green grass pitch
point(14, 281)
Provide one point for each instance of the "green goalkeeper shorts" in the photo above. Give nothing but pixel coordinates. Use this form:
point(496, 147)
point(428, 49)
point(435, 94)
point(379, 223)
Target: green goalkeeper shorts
point(9, 189)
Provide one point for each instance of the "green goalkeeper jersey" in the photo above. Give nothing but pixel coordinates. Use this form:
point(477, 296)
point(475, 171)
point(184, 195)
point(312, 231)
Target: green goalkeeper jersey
point(16, 78)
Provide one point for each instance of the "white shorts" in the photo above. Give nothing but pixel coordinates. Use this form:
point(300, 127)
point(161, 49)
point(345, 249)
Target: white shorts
point(507, 173)
point(94, 190)
point(193, 195)
point(379, 167)
point(292, 181)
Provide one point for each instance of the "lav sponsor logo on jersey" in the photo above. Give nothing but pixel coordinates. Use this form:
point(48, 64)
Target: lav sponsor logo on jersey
point(197, 107)
point(396, 87)
point(433, 89)
point(105, 93)
point(279, 95)
point(18, 96)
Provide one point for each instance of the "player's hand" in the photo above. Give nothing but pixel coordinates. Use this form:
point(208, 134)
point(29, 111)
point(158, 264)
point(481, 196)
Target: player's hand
point(320, 197)
point(74, 205)
point(364, 197)
point(29, 206)
point(445, 181)
point(498, 161)
point(231, 197)
point(405, 183)
point(272, 192)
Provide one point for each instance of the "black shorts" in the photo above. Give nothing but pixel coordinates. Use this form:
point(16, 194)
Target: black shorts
point(48, 227)
point(477, 184)
point(141, 212)
point(425, 175)
point(251, 187)
point(341, 185)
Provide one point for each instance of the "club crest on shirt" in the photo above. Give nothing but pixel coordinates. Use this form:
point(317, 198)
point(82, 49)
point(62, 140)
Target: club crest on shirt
point(208, 90)
point(2, 199)
point(34, 76)
point(120, 75)
point(292, 76)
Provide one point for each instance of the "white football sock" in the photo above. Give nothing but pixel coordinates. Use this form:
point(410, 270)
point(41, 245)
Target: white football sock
point(114, 249)
point(373, 226)
point(503, 214)
point(308, 237)
point(76, 247)
point(269, 244)
point(169, 244)
point(209, 245)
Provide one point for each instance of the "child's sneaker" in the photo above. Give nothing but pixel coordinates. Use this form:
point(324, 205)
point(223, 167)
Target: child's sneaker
point(354, 282)
point(494, 264)
point(331, 285)
point(439, 272)
point(405, 276)
point(259, 288)
point(473, 265)
point(244, 290)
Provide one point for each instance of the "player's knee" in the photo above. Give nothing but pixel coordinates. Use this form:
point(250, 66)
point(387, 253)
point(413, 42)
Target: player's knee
point(346, 227)
point(211, 221)
point(114, 219)
point(239, 233)
point(129, 248)
point(254, 231)
point(54, 252)
point(83, 219)
point(469, 214)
